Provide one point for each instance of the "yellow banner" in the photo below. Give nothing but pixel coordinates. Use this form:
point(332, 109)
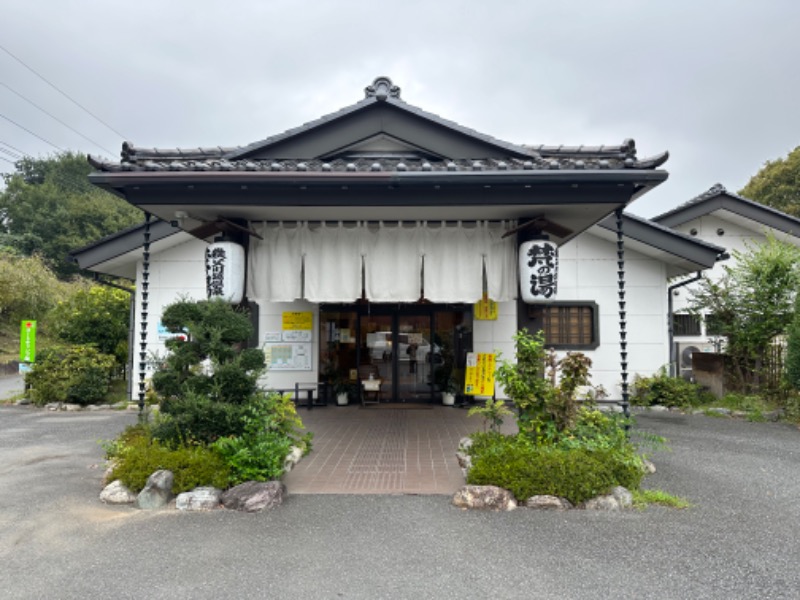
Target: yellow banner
point(479, 378)
point(485, 310)
point(293, 321)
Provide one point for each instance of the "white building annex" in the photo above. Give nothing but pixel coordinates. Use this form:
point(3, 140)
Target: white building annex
point(372, 234)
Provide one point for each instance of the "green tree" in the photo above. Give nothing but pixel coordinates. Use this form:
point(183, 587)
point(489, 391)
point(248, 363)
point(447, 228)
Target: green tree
point(96, 315)
point(777, 184)
point(50, 208)
point(751, 304)
point(793, 348)
point(28, 288)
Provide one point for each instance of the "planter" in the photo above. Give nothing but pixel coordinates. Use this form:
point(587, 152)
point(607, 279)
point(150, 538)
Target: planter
point(448, 399)
point(342, 399)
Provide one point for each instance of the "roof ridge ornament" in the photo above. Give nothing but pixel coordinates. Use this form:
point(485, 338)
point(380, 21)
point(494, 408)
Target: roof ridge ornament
point(381, 89)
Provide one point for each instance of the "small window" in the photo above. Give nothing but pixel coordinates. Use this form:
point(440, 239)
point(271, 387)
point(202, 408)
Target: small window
point(567, 326)
point(685, 325)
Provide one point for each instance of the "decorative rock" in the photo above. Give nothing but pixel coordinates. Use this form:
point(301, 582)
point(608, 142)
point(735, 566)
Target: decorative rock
point(623, 497)
point(202, 498)
point(292, 458)
point(484, 496)
point(548, 502)
point(158, 491)
point(465, 443)
point(23, 401)
point(659, 408)
point(719, 411)
point(71, 407)
point(648, 467)
point(116, 493)
point(606, 502)
point(254, 496)
point(464, 460)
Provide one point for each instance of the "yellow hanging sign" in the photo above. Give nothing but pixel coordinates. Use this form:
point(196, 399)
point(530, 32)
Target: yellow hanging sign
point(485, 309)
point(479, 378)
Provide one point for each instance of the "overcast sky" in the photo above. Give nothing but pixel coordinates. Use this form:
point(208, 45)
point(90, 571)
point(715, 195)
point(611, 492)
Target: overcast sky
point(714, 82)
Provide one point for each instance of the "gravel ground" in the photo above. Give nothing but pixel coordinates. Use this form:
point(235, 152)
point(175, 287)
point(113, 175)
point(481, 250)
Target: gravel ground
point(739, 539)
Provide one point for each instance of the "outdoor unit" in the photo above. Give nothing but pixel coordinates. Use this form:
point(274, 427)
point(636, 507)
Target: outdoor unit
point(684, 354)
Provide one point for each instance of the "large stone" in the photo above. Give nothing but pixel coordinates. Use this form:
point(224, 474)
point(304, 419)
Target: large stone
point(604, 502)
point(623, 496)
point(254, 496)
point(548, 502)
point(202, 498)
point(116, 493)
point(158, 491)
point(488, 497)
point(648, 467)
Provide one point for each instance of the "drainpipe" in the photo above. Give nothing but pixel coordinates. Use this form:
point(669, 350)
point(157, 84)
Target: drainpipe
point(673, 371)
point(143, 305)
point(623, 334)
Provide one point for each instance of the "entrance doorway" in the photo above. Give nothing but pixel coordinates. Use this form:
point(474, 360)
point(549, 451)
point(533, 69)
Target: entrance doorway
point(416, 351)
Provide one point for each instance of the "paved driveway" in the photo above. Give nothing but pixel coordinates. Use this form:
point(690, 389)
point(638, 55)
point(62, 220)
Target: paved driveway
point(739, 541)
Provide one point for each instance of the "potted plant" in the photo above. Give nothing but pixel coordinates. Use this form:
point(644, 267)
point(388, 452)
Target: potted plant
point(449, 392)
point(342, 388)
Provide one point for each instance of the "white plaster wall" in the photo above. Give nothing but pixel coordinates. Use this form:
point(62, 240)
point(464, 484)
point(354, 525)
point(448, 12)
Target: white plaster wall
point(588, 271)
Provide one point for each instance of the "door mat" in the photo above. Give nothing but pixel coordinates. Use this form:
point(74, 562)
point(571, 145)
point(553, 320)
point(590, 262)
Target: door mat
point(398, 406)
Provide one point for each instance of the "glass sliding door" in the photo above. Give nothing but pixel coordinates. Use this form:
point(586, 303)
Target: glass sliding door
point(414, 358)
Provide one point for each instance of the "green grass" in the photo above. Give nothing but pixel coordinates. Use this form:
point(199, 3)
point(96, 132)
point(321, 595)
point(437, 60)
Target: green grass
point(644, 498)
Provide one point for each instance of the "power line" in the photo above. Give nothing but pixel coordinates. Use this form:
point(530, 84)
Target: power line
point(32, 103)
point(29, 131)
point(67, 96)
point(13, 147)
point(32, 133)
point(11, 153)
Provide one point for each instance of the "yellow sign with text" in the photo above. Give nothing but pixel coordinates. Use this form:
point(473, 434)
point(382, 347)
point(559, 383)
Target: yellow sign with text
point(294, 321)
point(485, 310)
point(479, 379)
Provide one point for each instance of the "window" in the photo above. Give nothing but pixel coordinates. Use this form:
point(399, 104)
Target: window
point(714, 325)
point(566, 326)
point(685, 325)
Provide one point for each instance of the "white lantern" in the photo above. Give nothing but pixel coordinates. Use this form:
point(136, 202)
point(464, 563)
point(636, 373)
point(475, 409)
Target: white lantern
point(538, 271)
point(225, 271)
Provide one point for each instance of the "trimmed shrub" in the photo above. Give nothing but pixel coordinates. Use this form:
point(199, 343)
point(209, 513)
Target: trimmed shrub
point(78, 374)
point(139, 456)
point(576, 474)
point(667, 391)
point(196, 418)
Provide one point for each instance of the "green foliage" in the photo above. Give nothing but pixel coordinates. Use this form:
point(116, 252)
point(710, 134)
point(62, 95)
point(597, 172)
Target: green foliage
point(78, 374)
point(793, 348)
point(49, 207)
point(493, 413)
point(576, 474)
point(198, 418)
point(540, 399)
point(215, 333)
point(777, 184)
point(643, 498)
point(752, 304)
point(674, 392)
point(28, 288)
point(136, 456)
point(271, 428)
point(96, 315)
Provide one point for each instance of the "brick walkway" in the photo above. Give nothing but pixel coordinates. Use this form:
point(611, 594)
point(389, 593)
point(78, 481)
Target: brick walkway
point(379, 450)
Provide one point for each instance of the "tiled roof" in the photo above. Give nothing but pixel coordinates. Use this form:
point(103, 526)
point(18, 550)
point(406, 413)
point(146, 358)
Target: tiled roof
point(508, 157)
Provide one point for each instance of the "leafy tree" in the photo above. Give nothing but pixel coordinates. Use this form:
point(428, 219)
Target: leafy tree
point(28, 288)
point(793, 348)
point(49, 207)
point(96, 315)
point(777, 184)
point(751, 304)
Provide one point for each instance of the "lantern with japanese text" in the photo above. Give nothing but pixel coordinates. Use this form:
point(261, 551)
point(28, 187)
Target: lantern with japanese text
point(538, 271)
point(225, 271)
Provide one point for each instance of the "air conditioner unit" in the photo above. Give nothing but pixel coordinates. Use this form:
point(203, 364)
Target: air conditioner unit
point(684, 356)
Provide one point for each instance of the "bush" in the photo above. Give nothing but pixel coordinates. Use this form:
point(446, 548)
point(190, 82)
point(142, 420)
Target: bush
point(137, 456)
point(271, 428)
point(667, 391)
point(197, 418)
point(79, 374)
point(575, 474)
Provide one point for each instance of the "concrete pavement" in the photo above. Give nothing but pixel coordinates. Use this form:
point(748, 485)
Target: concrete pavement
point(738, 541)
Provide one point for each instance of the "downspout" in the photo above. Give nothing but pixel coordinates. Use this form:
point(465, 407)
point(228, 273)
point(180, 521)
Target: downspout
point(673, 371)
point(143, 305)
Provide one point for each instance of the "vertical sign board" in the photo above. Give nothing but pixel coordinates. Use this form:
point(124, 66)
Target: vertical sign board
point(27, 342)
point(485, 309)
point(479, 379)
